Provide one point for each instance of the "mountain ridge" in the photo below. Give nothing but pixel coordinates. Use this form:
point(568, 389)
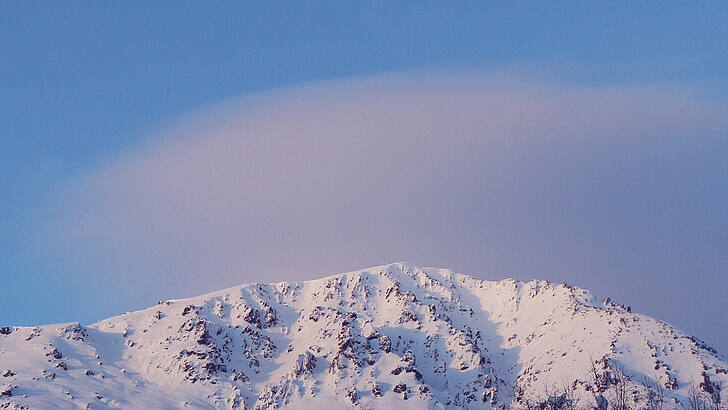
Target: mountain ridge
point(389, 336)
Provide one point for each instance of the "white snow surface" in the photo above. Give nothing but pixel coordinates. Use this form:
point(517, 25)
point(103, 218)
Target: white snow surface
point(387, 337)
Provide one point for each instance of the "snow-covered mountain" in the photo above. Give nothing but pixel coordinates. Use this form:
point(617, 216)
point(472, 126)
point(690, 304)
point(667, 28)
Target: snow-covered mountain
point(394, 336)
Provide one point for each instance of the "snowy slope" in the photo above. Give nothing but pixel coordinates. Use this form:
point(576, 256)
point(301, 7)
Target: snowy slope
point(394, 336)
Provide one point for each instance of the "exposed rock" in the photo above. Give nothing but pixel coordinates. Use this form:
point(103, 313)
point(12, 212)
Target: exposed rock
point(305, 364)
point(400, 388)
point(352, 395)
point(6, 391)
point(377, 390)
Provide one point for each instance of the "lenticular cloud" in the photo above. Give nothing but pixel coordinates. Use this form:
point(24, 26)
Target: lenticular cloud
point(485, 173)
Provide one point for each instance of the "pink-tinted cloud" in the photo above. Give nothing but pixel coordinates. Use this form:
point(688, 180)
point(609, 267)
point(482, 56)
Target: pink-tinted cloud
point(488, 174)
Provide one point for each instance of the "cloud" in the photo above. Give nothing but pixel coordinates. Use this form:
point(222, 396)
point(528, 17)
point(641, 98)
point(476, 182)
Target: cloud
point(491, 175)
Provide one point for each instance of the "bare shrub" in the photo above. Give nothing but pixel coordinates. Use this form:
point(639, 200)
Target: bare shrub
point(620, 396)
point(696, 398)
point(655, 394)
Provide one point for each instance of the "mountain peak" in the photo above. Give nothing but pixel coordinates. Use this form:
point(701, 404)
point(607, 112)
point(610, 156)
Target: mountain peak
point(388, 336)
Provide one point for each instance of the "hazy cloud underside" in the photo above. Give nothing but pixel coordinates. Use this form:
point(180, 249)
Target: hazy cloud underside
point(617, 189)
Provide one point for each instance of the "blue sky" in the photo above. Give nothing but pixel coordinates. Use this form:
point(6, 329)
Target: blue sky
point(87, 84)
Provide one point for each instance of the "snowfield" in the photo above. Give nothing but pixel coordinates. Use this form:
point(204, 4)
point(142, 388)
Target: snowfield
point(387, 337)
